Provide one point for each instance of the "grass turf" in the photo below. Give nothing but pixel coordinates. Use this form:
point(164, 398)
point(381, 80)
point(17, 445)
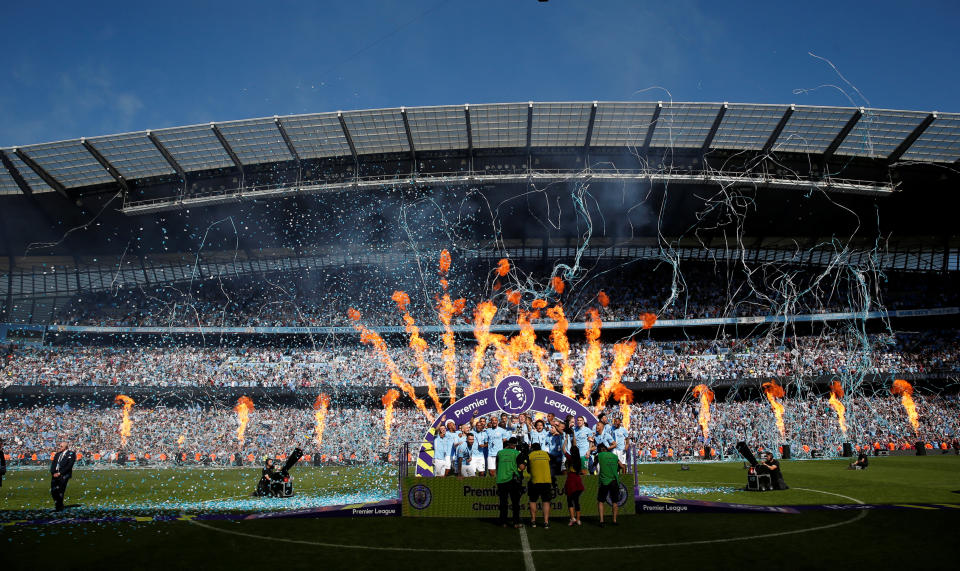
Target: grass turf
point(883, 537)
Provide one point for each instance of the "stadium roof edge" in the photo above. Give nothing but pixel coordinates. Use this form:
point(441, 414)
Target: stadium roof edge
point(883, 134)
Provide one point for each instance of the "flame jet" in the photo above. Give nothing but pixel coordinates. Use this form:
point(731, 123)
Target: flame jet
point(562, 345)
point(371, 338)
point(836, 393)
point(126, 425)
point(447, 308)
point(321, 405)
point(621, 357)
point(649, 320)
point(593, 359)
point(775, 392)
point(419, 346)
point(905, 390)
point(526, 342)
point(243, 408)
point(482, 318)
point(388, 400)
point(624, 396)
point(705, 395)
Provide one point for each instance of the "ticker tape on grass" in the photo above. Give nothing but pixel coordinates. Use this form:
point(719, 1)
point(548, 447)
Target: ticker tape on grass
point(385, 508)
point(391, 508)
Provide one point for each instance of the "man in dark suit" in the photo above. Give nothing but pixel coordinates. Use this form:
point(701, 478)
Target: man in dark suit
point(61, 469)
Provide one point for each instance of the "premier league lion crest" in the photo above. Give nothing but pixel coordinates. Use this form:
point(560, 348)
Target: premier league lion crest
point(514, 395)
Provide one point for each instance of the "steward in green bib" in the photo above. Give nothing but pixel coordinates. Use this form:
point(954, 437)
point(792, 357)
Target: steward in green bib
point(509, 481)
point(609, 484)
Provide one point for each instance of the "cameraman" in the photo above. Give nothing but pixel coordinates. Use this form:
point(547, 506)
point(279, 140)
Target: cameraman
point(267, 476)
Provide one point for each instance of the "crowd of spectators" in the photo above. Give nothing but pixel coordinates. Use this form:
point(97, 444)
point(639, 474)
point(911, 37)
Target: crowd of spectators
point(659, 430)
point(353, 365)
point(305, 299)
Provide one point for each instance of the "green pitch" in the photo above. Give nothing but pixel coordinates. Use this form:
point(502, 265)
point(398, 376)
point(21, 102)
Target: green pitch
point(907, 536)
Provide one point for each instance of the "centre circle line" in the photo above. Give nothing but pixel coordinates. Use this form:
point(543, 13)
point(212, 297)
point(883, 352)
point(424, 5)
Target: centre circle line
point(860, 515)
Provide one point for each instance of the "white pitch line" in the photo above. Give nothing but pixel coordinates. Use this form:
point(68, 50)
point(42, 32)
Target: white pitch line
point(527, 554)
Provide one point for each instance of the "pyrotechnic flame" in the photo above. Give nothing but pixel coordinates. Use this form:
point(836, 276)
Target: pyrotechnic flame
point(649, 319)
point(482, 318)
point(603, 298)
point(419, 346)
point(621, 357)
point(514, 296)
point(905, 390)
point(503, 267)
point(593, 358)
point(705, 395)
point(243, 408)
point(447, 310)
point(125, 425)
point(538, 304)
point(388, 400)
point(774, 392)
point(836, 393)
point(557, 284)
point(321, 405)
point(624, 396)
point(373, 339)
point(526, 342)
point(444, 262)
point(503, 355)
point(562, 345)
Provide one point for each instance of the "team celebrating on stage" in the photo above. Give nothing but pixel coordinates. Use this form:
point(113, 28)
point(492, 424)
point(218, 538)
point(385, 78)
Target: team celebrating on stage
point(505, 446)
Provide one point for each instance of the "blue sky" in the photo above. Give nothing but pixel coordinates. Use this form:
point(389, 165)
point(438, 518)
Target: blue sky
point(93, 68)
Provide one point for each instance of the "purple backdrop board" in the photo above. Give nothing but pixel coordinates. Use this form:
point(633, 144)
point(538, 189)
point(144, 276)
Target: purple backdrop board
point(512, 395)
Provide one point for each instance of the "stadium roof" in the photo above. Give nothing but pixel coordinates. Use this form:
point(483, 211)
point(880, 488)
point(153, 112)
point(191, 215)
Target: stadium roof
point(886, 135)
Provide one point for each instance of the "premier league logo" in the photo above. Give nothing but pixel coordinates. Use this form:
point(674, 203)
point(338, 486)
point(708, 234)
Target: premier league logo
point(419, 496)
point(514, 395)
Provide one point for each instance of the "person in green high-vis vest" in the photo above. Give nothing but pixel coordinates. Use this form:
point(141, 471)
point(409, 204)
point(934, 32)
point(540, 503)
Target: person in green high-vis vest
point(509, 481)
point(609, 484)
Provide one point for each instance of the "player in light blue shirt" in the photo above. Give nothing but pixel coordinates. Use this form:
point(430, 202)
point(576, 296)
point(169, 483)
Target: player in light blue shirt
point(495, 439)
point(442, 446)
point(470, 457)
point(602, 435)
point(622, 439)
point(584, 437)
point(538, 435)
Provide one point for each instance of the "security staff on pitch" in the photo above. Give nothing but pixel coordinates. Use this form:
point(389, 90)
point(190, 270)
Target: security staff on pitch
point(609, 481)
point(61, 469)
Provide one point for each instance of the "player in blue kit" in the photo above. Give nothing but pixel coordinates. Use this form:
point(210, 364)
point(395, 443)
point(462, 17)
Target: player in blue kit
point(495, 436)
point(621, 438)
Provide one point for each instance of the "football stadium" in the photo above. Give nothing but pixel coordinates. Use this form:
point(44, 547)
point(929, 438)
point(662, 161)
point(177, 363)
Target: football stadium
point(523, 334)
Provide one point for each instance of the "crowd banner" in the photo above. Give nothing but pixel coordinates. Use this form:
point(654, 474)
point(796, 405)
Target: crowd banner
point(477, 497)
